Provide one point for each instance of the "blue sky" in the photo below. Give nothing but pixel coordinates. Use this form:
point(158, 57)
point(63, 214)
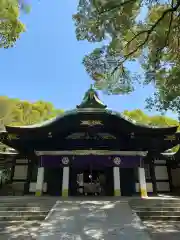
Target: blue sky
point(46, 64)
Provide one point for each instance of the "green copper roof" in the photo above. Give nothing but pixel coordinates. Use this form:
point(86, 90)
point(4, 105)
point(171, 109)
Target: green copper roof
point(91, 100)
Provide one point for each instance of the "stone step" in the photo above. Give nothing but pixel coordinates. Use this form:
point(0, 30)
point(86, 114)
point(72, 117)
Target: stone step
point(35, 208)
point(159, 224)
point(170, 206)
point(25, 218)
point(30, 198)
point(158, 213)
point(25, 204)
point(150, 200)
point(21, 201)
point(19, 223)
point(21, 204)
point(23, 213)
point(157, 206)
point(148, 209)
point(19, 229)
point(160, 218)
point(157, 203)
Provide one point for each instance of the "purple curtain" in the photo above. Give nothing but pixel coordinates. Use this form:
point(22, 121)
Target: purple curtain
point(95, 161)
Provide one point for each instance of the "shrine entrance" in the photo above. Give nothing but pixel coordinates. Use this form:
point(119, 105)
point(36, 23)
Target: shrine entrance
point(53, 177)
point(127, 181)
point(91, 181)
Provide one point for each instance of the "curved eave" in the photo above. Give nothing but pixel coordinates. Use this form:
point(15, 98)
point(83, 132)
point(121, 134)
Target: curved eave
point(168, 155)
point(141, 127)
point(8, 153)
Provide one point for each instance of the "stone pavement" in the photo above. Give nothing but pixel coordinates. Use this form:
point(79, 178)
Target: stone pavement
point(163, 230)
point(92, 220)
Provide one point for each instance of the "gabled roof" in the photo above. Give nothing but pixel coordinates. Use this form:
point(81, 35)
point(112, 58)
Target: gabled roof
point(117, 115)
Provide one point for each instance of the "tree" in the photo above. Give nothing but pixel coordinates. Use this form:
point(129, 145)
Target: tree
point(156, 120)
point(10, 25)
point(17, 113)
point(6, 107)
point(138, 115)
point(14, 112)
point(153, 41)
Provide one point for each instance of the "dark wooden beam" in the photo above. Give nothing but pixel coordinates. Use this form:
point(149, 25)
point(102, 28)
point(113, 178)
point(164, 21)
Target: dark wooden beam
point(169, 175)
point(153, 177)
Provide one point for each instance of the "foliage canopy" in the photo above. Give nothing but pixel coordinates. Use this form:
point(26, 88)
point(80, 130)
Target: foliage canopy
point(10, 25)
point(18, 113)
point(130, 30)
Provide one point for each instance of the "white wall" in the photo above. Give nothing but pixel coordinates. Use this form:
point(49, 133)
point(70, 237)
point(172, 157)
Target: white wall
point(32, 187)
point(161, 173)
point(20, 172)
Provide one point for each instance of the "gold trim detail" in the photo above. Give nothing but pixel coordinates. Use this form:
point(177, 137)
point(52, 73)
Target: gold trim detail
point(170, 137)
point(91, 123)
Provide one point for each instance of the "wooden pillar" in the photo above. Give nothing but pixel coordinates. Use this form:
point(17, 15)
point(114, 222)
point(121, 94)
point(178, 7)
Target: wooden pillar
point(142, 179)
point(117, 186)
point(65, 182)
point(153, 176)
point(169, 175)
point(29, 174)
point(40, 180)
point(13, 167)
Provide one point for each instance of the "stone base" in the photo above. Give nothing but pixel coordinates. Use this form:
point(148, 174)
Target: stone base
point(143, 193)
point(38, 193)
point(65, 193)
point(117, 192)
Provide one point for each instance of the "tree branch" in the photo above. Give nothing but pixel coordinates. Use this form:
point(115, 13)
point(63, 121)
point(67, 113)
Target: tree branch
point(148, 32)
point(159, 50)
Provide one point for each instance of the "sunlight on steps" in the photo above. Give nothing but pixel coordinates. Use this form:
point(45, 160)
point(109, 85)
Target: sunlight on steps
point(160, 215)
point(21, 218)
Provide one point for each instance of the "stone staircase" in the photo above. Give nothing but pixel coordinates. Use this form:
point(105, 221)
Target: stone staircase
point(157, 209)
point(160, 216)
point(21, 217)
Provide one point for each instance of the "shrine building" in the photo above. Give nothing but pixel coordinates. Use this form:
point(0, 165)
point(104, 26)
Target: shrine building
point(67, 153)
